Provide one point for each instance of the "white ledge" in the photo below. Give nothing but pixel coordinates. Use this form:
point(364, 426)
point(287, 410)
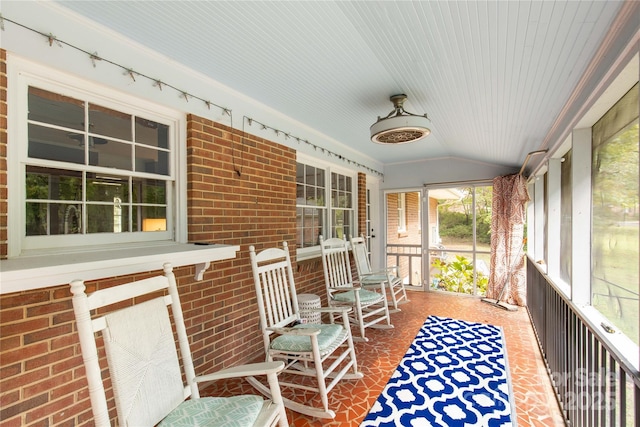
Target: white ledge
point(45, 269)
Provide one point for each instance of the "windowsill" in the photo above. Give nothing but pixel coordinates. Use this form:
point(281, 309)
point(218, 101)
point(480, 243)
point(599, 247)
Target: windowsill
point(308, 253)
point(312, 252)
point(627, 349)
point(42, 269)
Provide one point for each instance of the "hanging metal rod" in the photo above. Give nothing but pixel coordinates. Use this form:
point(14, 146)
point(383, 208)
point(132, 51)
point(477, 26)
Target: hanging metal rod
point(459, 183)
point(526, 159)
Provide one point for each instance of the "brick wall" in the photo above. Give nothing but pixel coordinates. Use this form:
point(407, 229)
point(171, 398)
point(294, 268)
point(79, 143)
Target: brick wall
point(362, 204)
point(42, 379)
point(3, 154)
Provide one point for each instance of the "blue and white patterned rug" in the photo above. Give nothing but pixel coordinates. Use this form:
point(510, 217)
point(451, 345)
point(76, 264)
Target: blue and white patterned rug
point(455, 373)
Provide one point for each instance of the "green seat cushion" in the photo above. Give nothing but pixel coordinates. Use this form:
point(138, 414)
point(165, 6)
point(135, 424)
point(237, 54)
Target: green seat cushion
point(375, 278)
point(365, 296)
point(236, 411)
point(296, 343)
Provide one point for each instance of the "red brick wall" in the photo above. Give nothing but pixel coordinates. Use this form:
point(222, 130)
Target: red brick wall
point(3, 155)
point(42, 379)
point(362, 204)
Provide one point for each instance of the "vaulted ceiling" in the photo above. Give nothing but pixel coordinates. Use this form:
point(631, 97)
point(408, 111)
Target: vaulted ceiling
point(492, 76)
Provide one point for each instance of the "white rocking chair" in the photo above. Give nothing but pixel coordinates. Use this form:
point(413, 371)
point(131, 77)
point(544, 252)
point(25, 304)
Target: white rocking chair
point(369, 305)
point(367, 277)
point(314, 353)
point(144, 366)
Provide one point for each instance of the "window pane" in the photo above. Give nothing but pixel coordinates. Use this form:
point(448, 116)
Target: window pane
point(310, 191)
point(53, 184)
point(104, 121)
point(108, 218)
point(300, 194)
point(110, 154)
point(152, 161)
point(37, 219)
point(103, 188)
point(320, 198)
point(310, 199)
point(152, 133)
point(149, 191)
point(309, 226)
point(300, 173)
point(319, 178)
point(55, 144)
point(616, 238)
point(55, 109)
point(615, 235)
point(152, 218)
point(339, 224)
point(53, 218)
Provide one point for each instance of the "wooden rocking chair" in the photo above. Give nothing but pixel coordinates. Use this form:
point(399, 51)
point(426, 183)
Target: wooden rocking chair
point(367, 277)
point(369, 305)
point(144, 367)
point(314, 353)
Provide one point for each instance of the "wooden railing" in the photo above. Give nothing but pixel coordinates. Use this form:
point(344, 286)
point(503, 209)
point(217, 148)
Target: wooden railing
point(408, 258)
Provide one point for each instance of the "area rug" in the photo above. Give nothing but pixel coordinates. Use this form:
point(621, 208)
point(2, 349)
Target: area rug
point(455, 373)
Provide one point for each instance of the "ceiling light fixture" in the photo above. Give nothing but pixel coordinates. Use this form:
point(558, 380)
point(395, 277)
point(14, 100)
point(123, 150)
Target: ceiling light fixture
point(399, 126)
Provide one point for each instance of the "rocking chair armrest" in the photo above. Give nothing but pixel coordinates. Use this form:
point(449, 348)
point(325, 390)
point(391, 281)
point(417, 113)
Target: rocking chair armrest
point(377, 285)
point(344, 309)
point(355, 287)
point(295, 331)
point(247, 370)
point(384, 271)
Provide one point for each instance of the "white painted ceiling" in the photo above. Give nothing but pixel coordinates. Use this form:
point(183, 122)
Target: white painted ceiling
point(491, 75)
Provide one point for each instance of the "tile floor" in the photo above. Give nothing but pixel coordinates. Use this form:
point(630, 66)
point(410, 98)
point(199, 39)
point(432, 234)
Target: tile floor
point(378, 358)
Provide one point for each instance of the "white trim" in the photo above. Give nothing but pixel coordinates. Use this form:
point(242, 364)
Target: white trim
point(45, 269)
point(538, 218)
point(329, 168)
point(22, 73)
point(554, 217)
point(581, 217)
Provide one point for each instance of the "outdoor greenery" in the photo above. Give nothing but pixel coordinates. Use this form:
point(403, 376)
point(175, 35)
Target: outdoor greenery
point(457, 276)
point(456, 216)
point(455, 224)
point(614, 274)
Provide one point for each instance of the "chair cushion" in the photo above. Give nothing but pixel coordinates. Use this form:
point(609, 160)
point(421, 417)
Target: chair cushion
point(365, 296)
point(236, 411)
point(375, 278)
point(328, 334)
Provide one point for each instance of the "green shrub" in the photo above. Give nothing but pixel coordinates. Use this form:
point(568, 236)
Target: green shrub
point(457, 276)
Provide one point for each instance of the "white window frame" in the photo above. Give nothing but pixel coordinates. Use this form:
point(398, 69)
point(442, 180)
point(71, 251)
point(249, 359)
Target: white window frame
point(22, 74)
point(540, 227)
point(329, 168)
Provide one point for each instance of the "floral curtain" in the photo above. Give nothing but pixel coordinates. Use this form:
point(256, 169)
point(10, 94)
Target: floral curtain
point(510, 197)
